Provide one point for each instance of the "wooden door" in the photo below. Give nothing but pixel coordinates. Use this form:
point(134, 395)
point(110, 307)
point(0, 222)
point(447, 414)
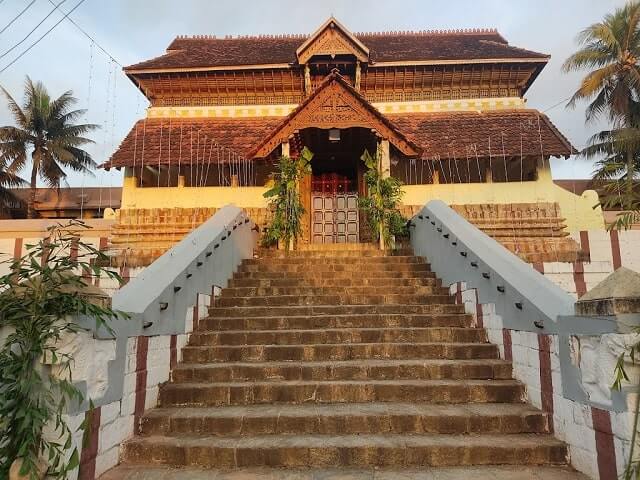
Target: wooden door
point(334, 217)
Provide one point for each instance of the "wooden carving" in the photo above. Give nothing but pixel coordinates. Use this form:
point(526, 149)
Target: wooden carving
point(335, 105)
point(332, 41)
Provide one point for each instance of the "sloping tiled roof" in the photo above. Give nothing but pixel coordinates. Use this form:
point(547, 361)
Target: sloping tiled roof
point(448, 135)
point(207, 51)
point(158, 140)
point(462, 134)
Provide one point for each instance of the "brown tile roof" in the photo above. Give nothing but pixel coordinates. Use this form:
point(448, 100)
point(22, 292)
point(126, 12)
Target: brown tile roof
point(448, 135)
point(209, 51)
point(160, 140)
point(458, 134)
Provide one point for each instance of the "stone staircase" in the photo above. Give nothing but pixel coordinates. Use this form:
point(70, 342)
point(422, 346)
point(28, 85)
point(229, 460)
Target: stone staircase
point(341, 364)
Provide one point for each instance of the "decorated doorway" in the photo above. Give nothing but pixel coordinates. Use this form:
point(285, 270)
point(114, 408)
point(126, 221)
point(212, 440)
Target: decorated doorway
point(334, 205)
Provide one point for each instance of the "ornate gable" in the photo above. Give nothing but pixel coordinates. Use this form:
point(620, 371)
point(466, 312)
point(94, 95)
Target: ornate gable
point(335, 104)
point(332, 39)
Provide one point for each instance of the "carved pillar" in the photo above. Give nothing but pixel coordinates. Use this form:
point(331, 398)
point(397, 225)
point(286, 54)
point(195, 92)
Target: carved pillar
point(285, 149)
point(307, 80)
point(358, 76)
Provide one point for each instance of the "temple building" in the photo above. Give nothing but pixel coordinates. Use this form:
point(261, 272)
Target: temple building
point(445, 109)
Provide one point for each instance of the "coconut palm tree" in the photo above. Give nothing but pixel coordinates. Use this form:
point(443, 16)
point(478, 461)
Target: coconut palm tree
point(46, 131)
point(611, 51)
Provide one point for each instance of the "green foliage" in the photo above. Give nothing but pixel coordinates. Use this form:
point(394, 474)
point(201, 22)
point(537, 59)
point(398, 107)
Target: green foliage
point(285, 201)
point(45, 130)
point(38, 301)
point(632, 470)
point(382, 199)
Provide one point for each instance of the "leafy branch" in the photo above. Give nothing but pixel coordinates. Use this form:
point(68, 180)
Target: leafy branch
point(40, 299)
point(285, 201)
point(381, 201)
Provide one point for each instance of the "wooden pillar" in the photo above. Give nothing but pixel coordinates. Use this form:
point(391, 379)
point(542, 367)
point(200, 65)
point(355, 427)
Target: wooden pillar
point(356, 82)
point(436, 176)
point(285, 149)
point(488, 173)
point(385, 158)
point(307, 80)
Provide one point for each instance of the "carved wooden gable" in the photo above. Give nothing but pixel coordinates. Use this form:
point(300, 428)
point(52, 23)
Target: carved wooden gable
point(332, 39)
point(336, 105)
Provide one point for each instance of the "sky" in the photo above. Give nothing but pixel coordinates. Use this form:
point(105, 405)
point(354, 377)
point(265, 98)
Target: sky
point(135, 30)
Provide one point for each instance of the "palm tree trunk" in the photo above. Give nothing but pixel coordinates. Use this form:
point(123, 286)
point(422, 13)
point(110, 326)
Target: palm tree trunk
point(31, 203)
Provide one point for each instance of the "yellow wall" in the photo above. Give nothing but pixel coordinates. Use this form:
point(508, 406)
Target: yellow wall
point(190, 197)
point(576, 209)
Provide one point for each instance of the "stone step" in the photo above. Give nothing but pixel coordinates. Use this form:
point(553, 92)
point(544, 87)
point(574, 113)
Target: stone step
point(338, 391)
point(334, 310)
point(354, 281)
point(313, 274)
point(517, 472)
point(341, 250)
point(322, 267)
point(337, 290)
point(346, 299)
point(347, 450)
point(371, 320)
point(354, 351)
point(340, 419)
point(346, 260)
point(343, 370)
point(346, 336)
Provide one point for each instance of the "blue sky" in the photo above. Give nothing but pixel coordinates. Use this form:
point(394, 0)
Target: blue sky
point(134, 30)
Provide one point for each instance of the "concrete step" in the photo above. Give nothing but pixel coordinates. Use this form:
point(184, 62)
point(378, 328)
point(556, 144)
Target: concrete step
point(345, 299)
point(333, 260)
point(313, 274)
point(329, 336)
point(354, 351)
point(343, 370)
point(339, 251)
point(305, 322)
point(354, 281)
point(340, 419)
point(323, 267)
point(337, 290)
point(347, 450)
point(516, 472)
point(295, 392)
point(335, 310)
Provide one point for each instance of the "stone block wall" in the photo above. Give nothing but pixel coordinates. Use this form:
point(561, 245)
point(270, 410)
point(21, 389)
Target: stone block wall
point(148, 364)
point(598, 438)
point(604, 252)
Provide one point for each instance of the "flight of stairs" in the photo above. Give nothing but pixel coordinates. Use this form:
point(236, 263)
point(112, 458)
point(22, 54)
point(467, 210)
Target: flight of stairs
point(341, 360)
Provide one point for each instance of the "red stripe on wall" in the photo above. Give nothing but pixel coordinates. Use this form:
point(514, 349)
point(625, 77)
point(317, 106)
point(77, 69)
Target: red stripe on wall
point(539, 266)
point(74, 249)
point(458, 292)
point(479, 315)
point(578, 278)
point(546, 380)
point(584, 244)
point(605, 448)
point(173, 351)
point(87, 469)
point(141, 380)
point(506, 339)
point(125, 274)
point(615, 249)
point(17, 248)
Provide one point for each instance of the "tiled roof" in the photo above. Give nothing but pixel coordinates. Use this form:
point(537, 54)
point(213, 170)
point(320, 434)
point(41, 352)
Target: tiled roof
point(208, 51)
point(458, 134)
point(164, 141)
point(448, 135)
